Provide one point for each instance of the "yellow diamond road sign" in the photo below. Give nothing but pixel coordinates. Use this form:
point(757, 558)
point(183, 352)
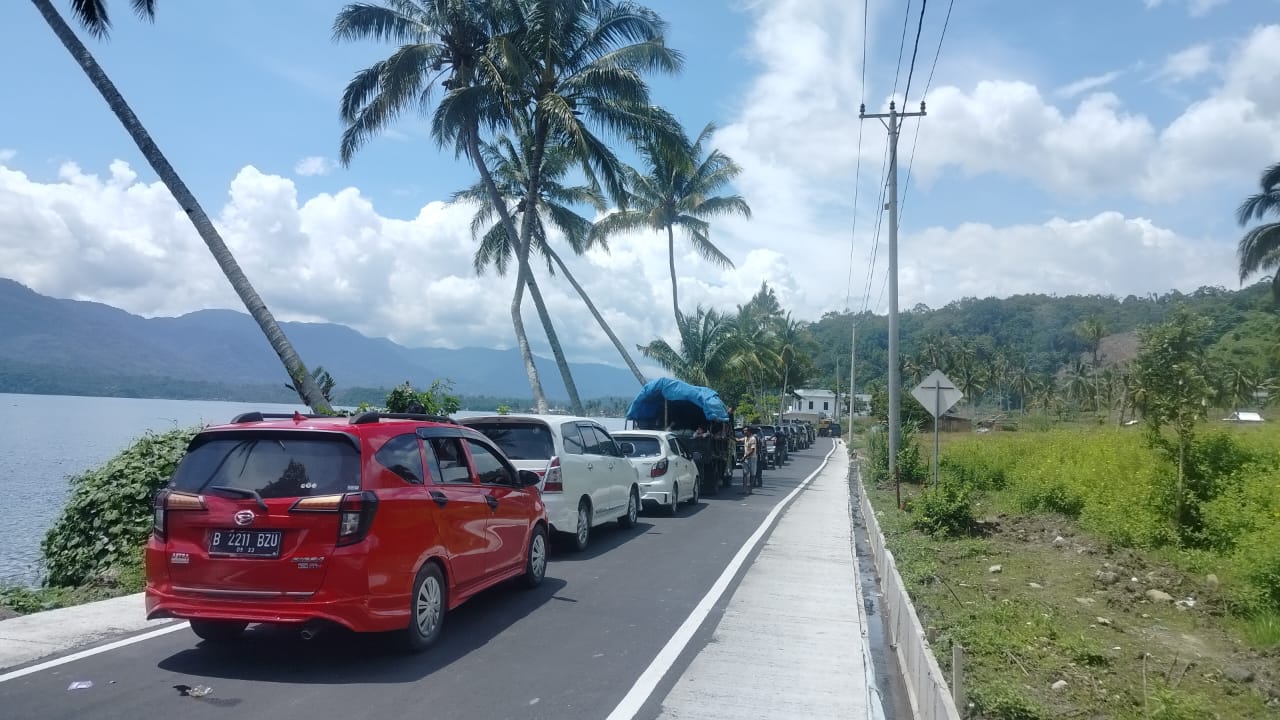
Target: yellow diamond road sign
point(937, 393)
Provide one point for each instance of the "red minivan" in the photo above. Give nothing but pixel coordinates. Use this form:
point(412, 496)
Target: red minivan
point(376, 522)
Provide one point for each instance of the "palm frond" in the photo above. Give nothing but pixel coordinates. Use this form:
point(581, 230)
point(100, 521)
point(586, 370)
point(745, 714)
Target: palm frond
point(1259, 249)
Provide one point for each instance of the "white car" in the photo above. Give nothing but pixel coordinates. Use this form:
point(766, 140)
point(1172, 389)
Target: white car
point(667, 476)
point(586, 479)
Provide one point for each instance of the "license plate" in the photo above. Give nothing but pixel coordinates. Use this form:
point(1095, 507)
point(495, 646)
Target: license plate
point(249, 543)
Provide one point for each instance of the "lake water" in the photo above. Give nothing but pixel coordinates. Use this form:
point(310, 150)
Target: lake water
point(45, 439)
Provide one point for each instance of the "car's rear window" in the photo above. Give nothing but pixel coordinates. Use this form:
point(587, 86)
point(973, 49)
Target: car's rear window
point(645, 446)
point(520, 441)
point(274, 464)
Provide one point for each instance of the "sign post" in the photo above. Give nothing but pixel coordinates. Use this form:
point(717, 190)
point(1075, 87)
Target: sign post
point(938, 395)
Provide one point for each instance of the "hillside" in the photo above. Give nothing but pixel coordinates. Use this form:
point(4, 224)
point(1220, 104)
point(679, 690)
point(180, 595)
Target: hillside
point(1042, 329)
point(48, 345)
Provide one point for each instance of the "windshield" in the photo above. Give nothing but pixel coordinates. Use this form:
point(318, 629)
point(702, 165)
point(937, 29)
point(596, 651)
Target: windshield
point(273, 464)
point(644, 446)
point(520, 441)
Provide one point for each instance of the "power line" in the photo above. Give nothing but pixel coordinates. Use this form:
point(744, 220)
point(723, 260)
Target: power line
point(906, 188)
point(919, 26)
point(857, 176)
point(902, 43)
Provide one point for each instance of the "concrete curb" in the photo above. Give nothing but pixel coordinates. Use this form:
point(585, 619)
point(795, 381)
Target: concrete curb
point(28, 638)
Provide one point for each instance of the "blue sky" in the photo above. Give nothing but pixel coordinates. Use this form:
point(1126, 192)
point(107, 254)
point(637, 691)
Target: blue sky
point(1092, 146)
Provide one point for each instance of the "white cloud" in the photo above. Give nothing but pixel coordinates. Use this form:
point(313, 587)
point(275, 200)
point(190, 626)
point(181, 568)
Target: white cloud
point(1187, 64)
point(1195, 8)
point(1200, 8)
point(1083, 85)
point(313, 165)
point(1106, 254)
point(1099, 148)
point(7, 154)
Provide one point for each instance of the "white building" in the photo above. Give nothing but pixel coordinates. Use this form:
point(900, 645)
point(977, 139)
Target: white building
point(814, 403)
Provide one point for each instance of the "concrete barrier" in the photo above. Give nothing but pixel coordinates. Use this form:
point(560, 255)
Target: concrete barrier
point(927, 689)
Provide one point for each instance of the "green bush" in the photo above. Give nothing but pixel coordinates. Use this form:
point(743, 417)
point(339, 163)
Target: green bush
point(911, 467)
point(108, 514)
point(945, 510)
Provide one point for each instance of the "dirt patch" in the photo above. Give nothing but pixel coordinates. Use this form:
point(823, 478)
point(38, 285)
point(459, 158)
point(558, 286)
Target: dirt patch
point(1057, 623)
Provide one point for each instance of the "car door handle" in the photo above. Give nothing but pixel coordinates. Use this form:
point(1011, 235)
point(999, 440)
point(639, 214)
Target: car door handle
point(439, 498)
point(610, 466)
point(591, 466)
point(493, 502)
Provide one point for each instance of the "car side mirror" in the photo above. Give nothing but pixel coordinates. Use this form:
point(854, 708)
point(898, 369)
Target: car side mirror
point(626, 448)
point(528, 478)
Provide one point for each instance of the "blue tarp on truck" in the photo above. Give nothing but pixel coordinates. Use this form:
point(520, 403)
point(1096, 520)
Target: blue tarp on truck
point(669, 400)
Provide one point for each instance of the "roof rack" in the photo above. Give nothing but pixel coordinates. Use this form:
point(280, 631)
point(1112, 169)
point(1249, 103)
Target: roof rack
point(256, 416)
point(373, 417)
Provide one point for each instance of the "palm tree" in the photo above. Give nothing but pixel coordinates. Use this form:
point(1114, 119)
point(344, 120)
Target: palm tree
point(442, 43)
point(678, 190)
point(1260, 247)
point(573, 66)
point(511, 172)
point(1091, 330)
point(92, 14)
point(707, 347)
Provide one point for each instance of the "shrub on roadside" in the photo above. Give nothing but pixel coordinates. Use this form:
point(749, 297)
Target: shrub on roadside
point(911, 467)
point(945, 510)
point(108, 513)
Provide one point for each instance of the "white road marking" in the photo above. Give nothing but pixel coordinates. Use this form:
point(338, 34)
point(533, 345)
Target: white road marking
point(15, 674)
point(644, 686)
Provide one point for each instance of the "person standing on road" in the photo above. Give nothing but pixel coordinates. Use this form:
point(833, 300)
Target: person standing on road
point(748, 460)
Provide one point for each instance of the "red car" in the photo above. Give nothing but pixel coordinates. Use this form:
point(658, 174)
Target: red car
point(377, 522)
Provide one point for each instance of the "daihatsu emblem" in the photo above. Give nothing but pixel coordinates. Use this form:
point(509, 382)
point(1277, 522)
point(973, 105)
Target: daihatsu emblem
point(244, 517)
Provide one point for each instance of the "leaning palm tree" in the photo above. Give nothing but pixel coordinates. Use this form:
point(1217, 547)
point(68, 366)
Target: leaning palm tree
point(511, 171)
point(707, 346)
point(1260, 247)
point(678, 189)
point(92, 15)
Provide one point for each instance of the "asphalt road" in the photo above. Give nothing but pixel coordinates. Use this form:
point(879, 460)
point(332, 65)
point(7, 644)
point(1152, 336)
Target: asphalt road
point(569, 649)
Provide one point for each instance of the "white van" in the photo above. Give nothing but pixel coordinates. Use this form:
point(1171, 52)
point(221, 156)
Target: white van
point(586, 478)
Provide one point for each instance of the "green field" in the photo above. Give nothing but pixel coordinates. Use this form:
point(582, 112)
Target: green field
point(1080, 522)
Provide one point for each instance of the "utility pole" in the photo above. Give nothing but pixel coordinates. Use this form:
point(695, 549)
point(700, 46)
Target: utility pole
point(853, 393)
point(895, 380)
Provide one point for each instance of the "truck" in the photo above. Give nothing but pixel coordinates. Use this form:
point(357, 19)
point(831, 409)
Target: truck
point(681, 408)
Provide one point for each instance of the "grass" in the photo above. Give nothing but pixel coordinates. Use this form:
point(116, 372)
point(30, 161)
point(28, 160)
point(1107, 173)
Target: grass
point(1047, 615)
point(127, 579)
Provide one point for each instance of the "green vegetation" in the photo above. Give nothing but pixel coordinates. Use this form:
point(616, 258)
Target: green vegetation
point(94, 550)
point(751, 357)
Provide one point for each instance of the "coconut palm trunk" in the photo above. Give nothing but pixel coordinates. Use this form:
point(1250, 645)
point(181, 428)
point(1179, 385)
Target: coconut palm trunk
point(671, 261)
point(517, 320)
point(302, 379)
point(526, 272)
point(622, 350)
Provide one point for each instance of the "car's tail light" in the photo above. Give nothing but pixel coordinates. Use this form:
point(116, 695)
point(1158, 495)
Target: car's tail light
point(355, 516)
point(553, 475)
point(659, 468)
point(168, 501)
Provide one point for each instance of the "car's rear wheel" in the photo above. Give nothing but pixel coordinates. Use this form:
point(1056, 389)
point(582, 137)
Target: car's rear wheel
point(535, 567)
point(218, 631)
point(633, 510)
point(674, 508)
point(427, 607)
point(582, 534)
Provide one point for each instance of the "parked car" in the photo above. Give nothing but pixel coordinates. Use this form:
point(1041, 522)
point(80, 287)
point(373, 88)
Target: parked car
point(378, 522)
point(668, 475)
point(773, 446)
point(587, 479)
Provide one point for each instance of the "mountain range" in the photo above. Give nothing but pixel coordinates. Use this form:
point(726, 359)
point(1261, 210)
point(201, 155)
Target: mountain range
point(51, 345)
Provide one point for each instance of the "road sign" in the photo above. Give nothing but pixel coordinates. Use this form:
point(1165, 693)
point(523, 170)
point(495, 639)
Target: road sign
point(937, 393)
